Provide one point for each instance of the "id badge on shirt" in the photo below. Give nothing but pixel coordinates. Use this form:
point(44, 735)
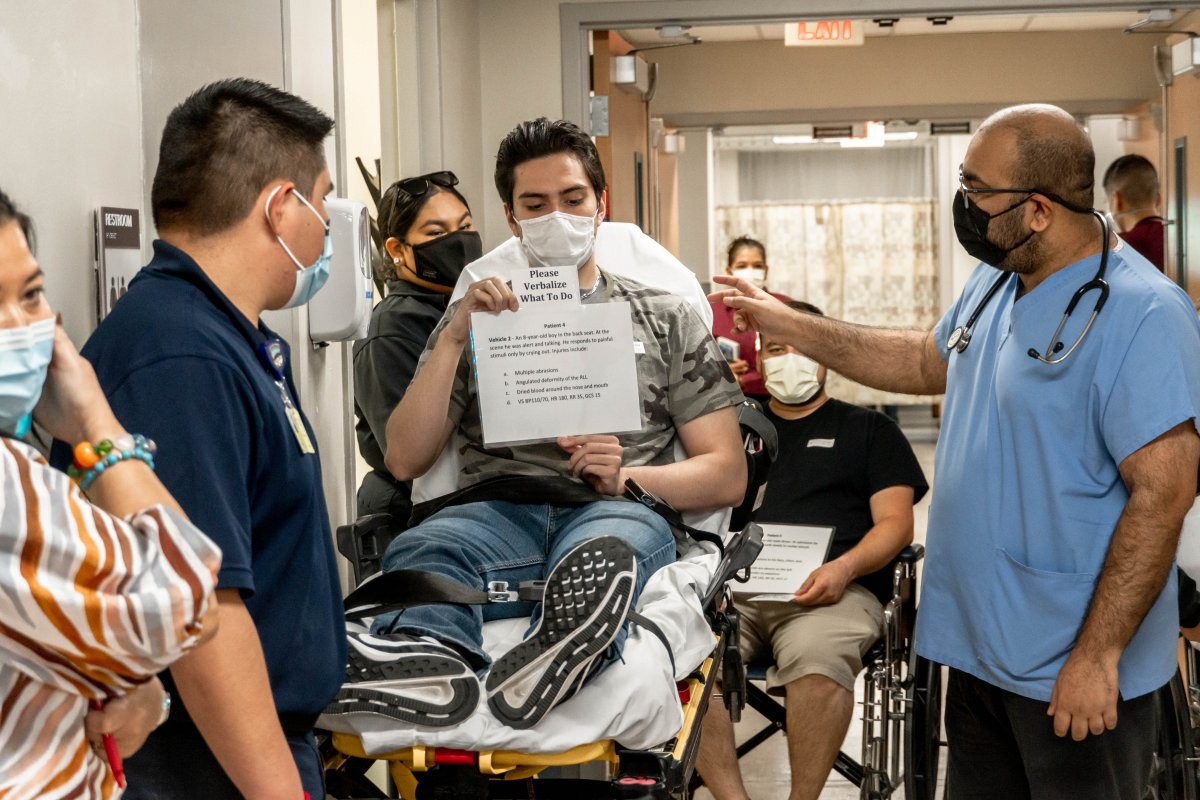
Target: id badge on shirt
point(296, 421)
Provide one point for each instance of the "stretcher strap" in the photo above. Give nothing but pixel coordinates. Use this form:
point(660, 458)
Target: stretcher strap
point(652, 627)
point(404, 588)
point(634, 491)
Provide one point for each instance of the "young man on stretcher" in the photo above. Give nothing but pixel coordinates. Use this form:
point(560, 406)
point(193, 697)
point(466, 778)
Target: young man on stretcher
point(549, 510)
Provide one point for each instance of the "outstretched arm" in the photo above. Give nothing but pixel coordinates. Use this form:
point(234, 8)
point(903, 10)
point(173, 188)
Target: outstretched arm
point(882, 358)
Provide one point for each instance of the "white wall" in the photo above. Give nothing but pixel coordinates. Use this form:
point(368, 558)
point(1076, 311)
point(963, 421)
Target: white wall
point(1104, 132)
point(72, 133)
point(184, 45)
point(85, 92)
point(696, 194)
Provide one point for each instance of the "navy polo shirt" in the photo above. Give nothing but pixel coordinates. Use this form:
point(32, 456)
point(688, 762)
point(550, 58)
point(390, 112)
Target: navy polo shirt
point(182, 365)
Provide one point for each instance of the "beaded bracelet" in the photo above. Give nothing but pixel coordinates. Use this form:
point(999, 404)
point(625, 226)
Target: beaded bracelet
point(92, 460)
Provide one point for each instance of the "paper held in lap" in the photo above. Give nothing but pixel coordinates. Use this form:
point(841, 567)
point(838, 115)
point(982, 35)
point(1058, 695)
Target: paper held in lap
point(790, 553)
point(555, 369)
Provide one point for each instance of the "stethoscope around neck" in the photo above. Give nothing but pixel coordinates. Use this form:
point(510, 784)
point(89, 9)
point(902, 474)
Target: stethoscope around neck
point(960, 337)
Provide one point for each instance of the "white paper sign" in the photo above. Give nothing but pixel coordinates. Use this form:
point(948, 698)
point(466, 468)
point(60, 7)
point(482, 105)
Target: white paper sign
point(555, 370)
point(790, 553)
point(541, 285)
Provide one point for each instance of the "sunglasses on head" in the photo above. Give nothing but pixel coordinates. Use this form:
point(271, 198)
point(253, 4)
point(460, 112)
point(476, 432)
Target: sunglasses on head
point(420, 185)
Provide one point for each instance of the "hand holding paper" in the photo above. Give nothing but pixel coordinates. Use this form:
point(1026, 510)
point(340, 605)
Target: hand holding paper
point(489, 294)
point(825, 585)
point(597, 460)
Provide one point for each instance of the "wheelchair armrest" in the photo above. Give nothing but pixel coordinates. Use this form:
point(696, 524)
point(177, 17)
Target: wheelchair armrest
point(911, 554)
point(363, 541)
point(740, 552)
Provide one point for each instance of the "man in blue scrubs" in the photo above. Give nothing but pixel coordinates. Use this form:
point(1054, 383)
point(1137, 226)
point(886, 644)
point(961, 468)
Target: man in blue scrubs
point(1063, 473)
point(238, 200)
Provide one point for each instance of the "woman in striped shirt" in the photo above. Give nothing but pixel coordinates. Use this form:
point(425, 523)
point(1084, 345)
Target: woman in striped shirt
point(98, 591)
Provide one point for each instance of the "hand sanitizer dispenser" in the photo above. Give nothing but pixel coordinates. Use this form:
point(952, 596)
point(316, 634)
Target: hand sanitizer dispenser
point(341, 311)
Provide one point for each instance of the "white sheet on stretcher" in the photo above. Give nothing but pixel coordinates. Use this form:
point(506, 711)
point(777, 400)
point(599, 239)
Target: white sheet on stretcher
point(634, 702)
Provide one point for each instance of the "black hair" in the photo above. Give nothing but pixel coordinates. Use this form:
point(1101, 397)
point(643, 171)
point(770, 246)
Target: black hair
point(739, 243)
point(541, 137)
point(226, 142)
point(10, 213)
point(398, 209)
point(1134, 177)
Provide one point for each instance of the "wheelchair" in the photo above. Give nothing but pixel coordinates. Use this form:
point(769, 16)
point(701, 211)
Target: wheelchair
point(1175, 772)
point(902, 703)
point(663, 771)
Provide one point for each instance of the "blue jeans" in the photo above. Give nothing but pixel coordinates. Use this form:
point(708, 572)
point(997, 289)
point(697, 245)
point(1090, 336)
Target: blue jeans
point(476, 543)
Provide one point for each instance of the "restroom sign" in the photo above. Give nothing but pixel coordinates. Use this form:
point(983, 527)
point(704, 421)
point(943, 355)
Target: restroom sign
point(118, 254)
point(823, 33)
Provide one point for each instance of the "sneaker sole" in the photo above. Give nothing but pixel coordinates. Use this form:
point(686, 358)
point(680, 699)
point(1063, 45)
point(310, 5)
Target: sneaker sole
point(587, 600)
point(413, 683)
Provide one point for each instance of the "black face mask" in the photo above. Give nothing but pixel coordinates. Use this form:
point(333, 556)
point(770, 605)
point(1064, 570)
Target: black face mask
point(441, 260)
point(971, 225)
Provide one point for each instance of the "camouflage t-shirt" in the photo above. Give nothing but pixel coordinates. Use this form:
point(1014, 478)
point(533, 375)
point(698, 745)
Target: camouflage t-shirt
point(681, 376)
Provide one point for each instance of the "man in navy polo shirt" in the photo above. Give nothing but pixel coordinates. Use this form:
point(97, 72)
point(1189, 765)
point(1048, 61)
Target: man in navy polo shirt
point(185, 358)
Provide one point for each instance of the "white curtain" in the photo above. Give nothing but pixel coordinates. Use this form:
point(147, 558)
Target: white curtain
point(777, 176)
point(868, 261)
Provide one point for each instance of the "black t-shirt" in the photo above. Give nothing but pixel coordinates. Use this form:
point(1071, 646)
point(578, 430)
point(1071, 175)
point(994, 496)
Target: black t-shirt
point(830, 464)
point(384, 365)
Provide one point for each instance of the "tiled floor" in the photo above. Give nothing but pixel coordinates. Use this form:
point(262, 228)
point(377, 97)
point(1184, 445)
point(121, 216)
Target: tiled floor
point(765, 771)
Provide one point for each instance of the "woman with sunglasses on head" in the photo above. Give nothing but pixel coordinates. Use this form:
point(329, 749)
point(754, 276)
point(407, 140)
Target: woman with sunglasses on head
point(430, 239)
point(103, 581)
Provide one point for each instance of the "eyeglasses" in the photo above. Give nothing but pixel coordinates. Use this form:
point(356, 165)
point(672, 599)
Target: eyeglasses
point(420, 185)
point(967, 192)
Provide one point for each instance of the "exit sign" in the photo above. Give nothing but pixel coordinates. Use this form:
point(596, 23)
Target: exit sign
point(823, 33)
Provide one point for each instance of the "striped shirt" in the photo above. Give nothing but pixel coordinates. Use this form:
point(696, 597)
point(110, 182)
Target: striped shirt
point(90, 606)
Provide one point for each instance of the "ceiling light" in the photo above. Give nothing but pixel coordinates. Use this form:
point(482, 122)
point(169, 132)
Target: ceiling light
point(792, 139)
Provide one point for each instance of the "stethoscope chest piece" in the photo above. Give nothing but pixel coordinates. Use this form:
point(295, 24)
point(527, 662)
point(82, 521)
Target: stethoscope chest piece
point(960, 337)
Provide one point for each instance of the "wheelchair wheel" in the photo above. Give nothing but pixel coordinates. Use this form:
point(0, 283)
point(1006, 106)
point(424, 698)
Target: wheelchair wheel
point(1173, 772)
point(923, 731)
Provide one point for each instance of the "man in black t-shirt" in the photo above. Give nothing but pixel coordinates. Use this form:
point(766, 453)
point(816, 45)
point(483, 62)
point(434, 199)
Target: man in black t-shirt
point(839, 465)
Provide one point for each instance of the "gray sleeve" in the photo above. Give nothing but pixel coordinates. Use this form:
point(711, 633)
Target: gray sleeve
point(700, 379)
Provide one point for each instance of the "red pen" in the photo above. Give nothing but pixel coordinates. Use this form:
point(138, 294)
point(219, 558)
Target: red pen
point(110, 750)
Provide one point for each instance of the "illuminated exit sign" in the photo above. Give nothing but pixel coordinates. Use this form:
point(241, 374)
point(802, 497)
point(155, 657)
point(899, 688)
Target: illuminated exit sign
point(823, 33)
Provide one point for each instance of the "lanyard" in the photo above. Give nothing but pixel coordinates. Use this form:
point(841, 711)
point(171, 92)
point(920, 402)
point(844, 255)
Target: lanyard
point(271, 352)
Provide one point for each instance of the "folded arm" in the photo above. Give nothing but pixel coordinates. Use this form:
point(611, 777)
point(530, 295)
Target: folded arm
point(421, 424)
point(714, 473)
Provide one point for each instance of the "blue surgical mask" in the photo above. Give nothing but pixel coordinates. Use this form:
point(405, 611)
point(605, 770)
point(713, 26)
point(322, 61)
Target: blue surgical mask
point(25, 355)
point(309, 280)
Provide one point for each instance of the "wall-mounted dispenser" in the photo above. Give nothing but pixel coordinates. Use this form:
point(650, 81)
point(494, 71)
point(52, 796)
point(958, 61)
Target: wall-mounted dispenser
point(341, 311)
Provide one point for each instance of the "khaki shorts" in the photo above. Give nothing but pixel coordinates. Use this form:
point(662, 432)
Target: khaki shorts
point(811, 640)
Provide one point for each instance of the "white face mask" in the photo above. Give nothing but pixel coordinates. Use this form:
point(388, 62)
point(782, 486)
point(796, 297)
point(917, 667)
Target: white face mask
point(754, 275)
point(791, 378)
point(558, 239)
